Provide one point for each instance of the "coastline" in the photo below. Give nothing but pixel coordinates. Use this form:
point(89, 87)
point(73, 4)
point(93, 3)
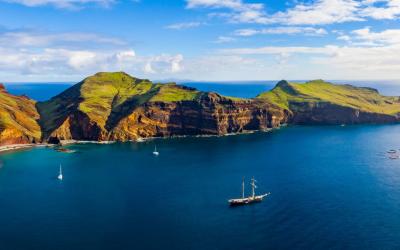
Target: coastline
point(16, 147)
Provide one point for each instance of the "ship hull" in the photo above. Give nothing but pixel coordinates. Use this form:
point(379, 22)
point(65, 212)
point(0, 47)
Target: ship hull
point(247, 201)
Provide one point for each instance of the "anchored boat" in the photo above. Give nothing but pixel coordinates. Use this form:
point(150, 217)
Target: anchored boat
point(60, 175)
point(248, 200)
point(155, 152)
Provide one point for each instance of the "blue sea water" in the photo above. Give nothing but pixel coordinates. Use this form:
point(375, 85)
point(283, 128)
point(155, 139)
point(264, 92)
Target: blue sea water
point(331, 187)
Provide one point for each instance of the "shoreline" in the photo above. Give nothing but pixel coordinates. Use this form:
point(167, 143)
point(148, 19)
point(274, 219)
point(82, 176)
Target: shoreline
point(16, 147)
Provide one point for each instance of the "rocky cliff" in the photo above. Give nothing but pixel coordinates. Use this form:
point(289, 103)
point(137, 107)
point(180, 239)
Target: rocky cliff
point(319, 102)
point(116, 106)
point(211, 114)
point(18, 117)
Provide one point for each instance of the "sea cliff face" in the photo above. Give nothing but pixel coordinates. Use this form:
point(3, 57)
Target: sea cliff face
point(212, 114)
point(322, 103)
point(119, 107)
point(324, 113)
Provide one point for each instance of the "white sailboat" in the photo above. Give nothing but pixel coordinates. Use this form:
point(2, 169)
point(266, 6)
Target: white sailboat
point(155, 152)
point(60, 175)
point(248, 200)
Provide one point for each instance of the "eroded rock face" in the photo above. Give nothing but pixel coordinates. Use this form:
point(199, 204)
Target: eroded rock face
point(324, 113)
point(211, 115)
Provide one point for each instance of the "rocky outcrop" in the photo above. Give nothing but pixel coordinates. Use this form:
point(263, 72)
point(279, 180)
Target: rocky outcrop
point(211, 115)
point(18, 119)
point(324, 113)
point(319, 103)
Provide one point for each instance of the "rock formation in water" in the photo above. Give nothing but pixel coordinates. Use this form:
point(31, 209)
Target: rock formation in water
point(118, 107)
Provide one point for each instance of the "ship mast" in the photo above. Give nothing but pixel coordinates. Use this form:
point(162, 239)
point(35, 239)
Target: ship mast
point(243, 188)
point(253, 186)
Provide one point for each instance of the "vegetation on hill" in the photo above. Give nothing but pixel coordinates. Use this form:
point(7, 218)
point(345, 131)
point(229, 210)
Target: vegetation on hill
point(18, 117)
point(107, 97)
point(119, 105)
point(286, 94)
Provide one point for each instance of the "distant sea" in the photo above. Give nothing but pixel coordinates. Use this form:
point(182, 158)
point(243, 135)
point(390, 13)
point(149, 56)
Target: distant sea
point(331, 187)
point(245, 89)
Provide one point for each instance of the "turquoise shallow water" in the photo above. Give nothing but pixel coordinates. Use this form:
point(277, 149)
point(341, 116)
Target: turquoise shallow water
point(332, 187)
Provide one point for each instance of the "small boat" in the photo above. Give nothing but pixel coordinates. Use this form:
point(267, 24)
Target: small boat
point(392, 151)
point(64, 150)
point(155, 152)
point(60, 175)
point(248, 200)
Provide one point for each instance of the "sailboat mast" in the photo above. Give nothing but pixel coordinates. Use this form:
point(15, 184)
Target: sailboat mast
point(243, 188)
point(253, 187)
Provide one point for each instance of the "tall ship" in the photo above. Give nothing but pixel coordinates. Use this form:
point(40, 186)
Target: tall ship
point(253, 198)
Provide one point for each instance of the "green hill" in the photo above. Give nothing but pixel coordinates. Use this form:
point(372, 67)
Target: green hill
point(105, 98)
point(289, 95)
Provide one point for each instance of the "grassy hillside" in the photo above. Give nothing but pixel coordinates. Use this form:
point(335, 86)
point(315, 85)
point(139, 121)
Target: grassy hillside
point(18, 117)
point(366, 99)
point(107, 97)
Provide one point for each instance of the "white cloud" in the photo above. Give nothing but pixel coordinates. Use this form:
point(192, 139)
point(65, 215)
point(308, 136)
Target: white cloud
point(30, 53)
point(282, 30)
point(386, 37)
point(390, 10)
point(69, 4)
point(315, 12)
point(55, 62)
point(344, 38)
point(350, 61)
point(164, 63)
point(224, 39)
point(240, 11)
point(182, 26)
point(320, 12)
point(34, 39)
point(231, 4)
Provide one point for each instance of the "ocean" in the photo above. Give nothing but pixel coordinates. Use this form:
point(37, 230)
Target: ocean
point(331, 187)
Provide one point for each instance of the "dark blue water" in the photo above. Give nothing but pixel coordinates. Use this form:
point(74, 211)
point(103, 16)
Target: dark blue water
point(37, 91)
point(235, 89)
point(332, 188)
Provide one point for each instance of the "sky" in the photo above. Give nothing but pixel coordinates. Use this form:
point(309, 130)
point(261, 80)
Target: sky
point(202, 40)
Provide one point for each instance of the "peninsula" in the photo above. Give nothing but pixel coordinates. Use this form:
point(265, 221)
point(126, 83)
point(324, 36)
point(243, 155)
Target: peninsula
point(118, 107)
